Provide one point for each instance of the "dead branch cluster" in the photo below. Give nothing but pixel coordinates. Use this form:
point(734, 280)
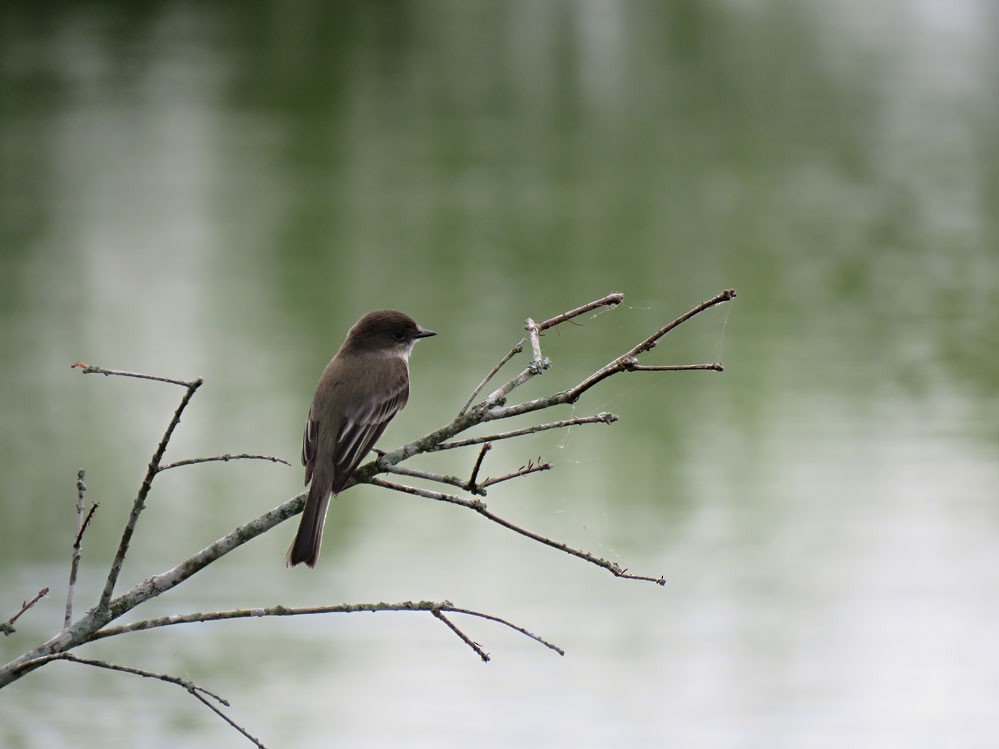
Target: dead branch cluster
point(477, 410)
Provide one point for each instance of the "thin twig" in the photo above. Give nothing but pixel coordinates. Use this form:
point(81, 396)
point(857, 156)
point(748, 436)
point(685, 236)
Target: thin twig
point(81, 527)
point(504, 622)
point(530, 468)
point(222, 458)
point(427, 475)
point(464, 638)
point(725, 296)
point(7, 627)
point(81, 493)
point(715, 367)
point(611, 300)
point(346, 608)
point(604, 417)
point(87, 369)
point(193, 689)
point(154, 467)
point(627, 359)
point(86, 523)
point(480, 507)
point(471, 484)
point(478, 464)
point(492, 373)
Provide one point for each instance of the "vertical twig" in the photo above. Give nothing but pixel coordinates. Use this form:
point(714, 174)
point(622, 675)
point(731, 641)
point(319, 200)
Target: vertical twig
point(140, 500)
point(81, 493)
point(539, 363)
point(478, 464)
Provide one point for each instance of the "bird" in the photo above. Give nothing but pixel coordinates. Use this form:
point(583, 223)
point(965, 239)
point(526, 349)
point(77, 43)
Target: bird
point(363, 387)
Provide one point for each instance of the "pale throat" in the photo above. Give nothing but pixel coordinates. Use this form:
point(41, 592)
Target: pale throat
point(399, 351)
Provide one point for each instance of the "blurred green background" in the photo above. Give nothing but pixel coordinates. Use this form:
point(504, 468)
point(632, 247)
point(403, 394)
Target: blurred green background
point(221, 189)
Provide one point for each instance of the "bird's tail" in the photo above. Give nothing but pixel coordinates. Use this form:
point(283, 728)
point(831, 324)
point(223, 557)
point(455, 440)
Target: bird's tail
point(305, 547)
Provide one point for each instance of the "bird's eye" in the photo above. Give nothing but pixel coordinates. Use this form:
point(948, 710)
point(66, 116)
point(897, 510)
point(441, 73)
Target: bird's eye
point(399, 336)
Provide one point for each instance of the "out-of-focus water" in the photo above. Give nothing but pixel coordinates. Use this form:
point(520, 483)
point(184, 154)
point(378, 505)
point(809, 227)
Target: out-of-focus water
point(220, 191)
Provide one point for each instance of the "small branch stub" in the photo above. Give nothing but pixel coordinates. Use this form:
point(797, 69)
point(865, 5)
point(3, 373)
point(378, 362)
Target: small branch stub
point(7, 627)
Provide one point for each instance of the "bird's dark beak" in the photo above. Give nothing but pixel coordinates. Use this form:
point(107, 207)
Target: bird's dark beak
point(424, 333)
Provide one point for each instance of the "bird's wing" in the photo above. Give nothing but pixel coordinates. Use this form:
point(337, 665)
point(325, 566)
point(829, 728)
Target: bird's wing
point(364, 424)
point(310, 441)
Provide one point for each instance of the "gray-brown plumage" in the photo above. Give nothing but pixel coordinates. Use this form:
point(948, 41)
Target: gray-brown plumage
point(365, 384)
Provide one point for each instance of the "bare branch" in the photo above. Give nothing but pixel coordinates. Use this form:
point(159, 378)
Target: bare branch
point(222, 458)
point(81, 494)
point(81, 528)
point(464, 638)
point(604, 417)
point(492, 408)
point(492, 373)
point(86, 523)
point(626, 360)
point(87, 369)
point(505, 623)
point(7, 627)
point(81, 491)
point(538, 363)
point(472, 504)
point(427, 475)
point(480, 507)
point(611, 300)
point(646, 345)
point(346, 608)
point(199, 693)
point(478, 464)
point(154, 466)
point(530, 468)
point(715, 367)
point(471, 484)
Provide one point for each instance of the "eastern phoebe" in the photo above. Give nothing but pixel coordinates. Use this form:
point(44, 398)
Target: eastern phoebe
point(365, 384)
